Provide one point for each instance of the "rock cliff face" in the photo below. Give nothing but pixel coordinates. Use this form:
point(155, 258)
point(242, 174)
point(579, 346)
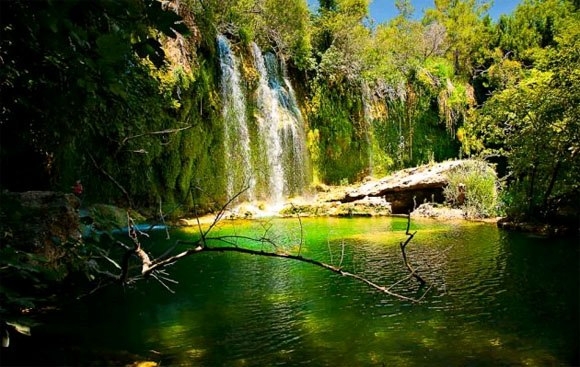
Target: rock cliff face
point(40, 222)
point(407, 189)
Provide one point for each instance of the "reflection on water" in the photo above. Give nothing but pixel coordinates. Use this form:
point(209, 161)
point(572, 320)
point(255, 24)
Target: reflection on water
point(499, 299)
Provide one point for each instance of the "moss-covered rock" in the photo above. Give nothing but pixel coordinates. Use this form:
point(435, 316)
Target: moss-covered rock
point(366, 207)
point(40, 222)
point(108, 217)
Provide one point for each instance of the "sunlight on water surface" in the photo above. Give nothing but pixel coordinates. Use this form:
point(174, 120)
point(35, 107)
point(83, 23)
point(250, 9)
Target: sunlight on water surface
point(498, 299)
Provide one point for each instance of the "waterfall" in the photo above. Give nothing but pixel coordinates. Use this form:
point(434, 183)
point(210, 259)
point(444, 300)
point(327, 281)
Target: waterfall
point(368, 121)
point(280, 127)
point(238, 165)
point(265, 150)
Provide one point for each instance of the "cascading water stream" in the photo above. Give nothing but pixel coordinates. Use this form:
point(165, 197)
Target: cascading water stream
point(236, 134)
point(280, 128)
point(368, 118)
point(265, 151)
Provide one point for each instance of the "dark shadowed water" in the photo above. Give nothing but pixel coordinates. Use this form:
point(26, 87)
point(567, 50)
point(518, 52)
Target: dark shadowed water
point(498, 299)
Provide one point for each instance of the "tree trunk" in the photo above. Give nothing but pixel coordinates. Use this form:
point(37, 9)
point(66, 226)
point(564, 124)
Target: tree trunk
point(551, 185)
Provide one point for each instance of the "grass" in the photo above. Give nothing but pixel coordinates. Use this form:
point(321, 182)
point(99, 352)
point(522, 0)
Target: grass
point(473, 187)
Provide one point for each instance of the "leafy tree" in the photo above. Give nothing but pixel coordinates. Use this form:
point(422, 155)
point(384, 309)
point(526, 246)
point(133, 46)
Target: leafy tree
point(530, 29)
point(340, 41)
point(465, 27)
point(88, 83)
point(419, 90)
point(534, 123)
point(290, 35)
point(335, 108)
point(75, 73)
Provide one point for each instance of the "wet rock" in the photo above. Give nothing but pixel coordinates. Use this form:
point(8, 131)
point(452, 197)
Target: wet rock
point(366, 207)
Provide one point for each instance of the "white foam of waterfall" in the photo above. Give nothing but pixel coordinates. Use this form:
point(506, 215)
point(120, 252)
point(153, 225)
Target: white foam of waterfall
point(236, 135)
point(368, 120)
point(280, 127)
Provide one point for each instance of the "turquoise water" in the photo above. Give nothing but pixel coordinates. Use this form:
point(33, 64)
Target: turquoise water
point(498, 299)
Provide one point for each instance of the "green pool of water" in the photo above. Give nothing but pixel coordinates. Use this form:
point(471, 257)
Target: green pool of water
point(498, 299)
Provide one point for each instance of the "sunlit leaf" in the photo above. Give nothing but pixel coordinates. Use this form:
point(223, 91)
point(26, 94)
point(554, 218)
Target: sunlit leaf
point(22, 329)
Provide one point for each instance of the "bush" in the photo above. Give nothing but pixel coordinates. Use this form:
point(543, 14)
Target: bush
point(473, 187)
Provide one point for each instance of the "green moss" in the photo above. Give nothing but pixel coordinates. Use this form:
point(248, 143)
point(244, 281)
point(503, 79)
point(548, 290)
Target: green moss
point(343, 141)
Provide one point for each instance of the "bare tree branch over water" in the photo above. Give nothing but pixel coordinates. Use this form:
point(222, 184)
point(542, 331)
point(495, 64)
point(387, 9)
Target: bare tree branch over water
point(156, 268)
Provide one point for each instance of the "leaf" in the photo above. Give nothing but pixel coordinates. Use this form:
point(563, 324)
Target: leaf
point(22, 329)
point(112, 47)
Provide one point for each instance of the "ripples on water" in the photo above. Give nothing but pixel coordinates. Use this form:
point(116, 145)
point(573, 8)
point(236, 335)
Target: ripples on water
point(279, 312)
point(498, 299)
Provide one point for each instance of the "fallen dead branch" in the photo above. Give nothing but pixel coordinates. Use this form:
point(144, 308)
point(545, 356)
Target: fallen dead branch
point(155, 268)
point(403, 246)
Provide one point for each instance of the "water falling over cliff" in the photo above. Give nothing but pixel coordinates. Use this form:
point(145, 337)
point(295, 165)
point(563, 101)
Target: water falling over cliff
point(238, 168)
point(280, 127)
point(265, 151)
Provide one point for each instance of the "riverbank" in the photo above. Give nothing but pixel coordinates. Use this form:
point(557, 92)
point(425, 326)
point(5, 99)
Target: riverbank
point(430, 191)
point(450, 190)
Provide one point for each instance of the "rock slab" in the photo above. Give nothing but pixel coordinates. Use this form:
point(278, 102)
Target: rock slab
point(405, 190)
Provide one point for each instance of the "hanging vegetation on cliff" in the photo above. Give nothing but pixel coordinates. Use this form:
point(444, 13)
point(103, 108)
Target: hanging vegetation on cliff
point(126, 95)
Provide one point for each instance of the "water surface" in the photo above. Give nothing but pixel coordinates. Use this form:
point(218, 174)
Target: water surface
point(498, 299)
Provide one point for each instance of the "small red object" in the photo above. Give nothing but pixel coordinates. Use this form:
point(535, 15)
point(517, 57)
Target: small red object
point(78, 188)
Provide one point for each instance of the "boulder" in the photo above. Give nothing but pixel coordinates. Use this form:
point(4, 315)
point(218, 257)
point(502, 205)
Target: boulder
point(437, 211)
point(405, 190)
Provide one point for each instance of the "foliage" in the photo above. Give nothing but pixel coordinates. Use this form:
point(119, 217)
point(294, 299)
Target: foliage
point(94, 98)
point(418, 88)
point(38, 260)
point(23, 281)
point(291, 35)
point(80, 81)
point(531, 28)
point(473, 187)
point(465, 27)
point(340, 41)
point(340, 140)
point(266, 23)
point(533, 122)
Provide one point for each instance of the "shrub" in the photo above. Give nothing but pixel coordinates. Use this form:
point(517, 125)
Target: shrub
point(473, 187)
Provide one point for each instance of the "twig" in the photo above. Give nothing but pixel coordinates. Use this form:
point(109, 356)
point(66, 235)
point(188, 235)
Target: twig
point(166, 131)
point(194, 198)
point(132, 232)
point(404, 253)
point(167, 237)
point(112, 261)
point(163, 284)
point(264, 238)
point(301, 231)
point(112, 179)
point(222, 211)
point(341, 254)
point(329, 251)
